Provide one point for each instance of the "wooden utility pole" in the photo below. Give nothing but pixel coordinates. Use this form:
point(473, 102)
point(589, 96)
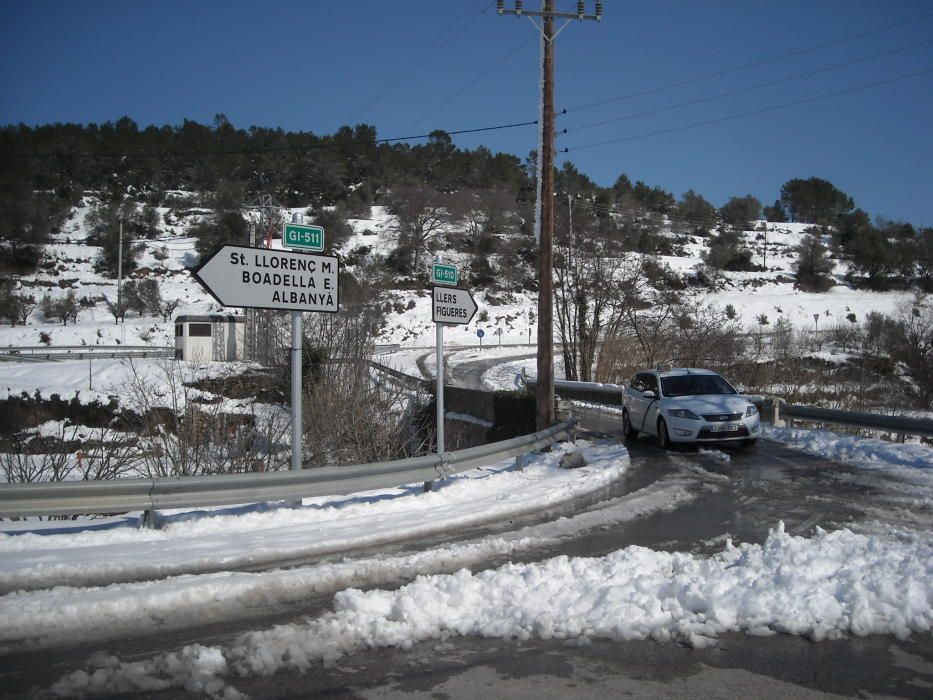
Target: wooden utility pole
point(545, 389)
point(544, 225)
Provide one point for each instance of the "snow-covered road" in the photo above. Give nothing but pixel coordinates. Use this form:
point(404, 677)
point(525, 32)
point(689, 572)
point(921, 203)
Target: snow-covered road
point(734, 545)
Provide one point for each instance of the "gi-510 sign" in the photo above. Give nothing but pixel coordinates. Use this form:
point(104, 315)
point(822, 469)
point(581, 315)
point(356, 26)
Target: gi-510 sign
point(302, 237)
point(444, 274)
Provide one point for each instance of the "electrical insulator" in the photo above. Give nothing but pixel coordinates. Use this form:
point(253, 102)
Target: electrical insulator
point(581, 9)
point(518, 7)
point(599, 9)
point(500, 6)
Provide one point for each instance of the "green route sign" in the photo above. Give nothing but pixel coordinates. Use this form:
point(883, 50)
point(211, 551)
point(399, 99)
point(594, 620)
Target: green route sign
point(444, 274)
point(303, 237)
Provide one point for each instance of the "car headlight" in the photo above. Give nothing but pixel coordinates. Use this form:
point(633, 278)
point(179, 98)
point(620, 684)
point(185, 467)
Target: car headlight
point(751, 411)
point(683, 413)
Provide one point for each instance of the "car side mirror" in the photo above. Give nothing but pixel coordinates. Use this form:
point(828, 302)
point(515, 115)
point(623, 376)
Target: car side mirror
point(648, 394)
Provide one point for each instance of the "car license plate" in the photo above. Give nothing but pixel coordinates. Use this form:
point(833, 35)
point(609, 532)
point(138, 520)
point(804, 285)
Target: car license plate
point(724, 427)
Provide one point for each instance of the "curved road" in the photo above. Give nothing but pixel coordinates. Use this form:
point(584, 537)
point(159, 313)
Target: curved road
point(740, 493)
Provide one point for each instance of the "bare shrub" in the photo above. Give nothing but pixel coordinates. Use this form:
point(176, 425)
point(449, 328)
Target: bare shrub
point(185, 432)
point(24, 468)
point(348, 417)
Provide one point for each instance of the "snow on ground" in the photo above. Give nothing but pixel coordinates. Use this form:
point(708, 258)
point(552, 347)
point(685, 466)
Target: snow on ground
point(783, 301)
point(100, 379)
point(117, 610)
point(825, 587)
point(912, 463)
point(227, 538)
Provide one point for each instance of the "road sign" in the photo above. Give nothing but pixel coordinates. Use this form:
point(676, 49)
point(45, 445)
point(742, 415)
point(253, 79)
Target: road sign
point(259, 278)
point(444, 274)
point(480, 333)
point(303, 237)
point(452, 306)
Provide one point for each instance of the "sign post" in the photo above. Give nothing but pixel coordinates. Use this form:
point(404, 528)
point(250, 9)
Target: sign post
point(259, 278)
point(453, 306)
point(297, 334)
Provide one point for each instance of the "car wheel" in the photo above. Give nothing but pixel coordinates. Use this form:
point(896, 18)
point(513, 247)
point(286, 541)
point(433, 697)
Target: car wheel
point(664, 440)
point(627, 430)
point(750, 442)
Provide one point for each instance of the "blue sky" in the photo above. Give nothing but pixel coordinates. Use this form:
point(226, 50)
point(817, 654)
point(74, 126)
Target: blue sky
point(411, 66)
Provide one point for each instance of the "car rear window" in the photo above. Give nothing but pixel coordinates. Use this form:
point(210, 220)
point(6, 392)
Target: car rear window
point(695, 385)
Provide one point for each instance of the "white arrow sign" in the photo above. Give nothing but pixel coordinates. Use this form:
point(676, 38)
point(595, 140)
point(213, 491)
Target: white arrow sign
point(452, 305)
point(259, 278)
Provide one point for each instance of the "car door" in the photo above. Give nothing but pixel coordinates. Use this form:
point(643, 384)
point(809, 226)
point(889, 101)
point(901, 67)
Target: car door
point(652, 405)
point(637, 403)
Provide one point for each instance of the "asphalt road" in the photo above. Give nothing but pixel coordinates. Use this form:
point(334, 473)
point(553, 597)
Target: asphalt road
point(739, 493)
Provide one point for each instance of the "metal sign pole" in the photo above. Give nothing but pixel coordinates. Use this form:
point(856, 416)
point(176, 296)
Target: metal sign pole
point(440, 390)
point(296, 389)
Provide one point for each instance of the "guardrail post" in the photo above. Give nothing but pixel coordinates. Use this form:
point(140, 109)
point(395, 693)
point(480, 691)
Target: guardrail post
point(771, 412)
point(148, 520)
point(520, 462)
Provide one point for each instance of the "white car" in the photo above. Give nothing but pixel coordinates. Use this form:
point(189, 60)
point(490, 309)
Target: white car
point(688, 405)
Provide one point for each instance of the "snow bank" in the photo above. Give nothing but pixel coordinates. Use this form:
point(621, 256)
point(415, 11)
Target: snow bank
point(913, 462)
point(66, 615)
point(207, 540)
point(827, 587)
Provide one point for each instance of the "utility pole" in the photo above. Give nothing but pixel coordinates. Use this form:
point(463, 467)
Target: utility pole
point(764, 250)
point(259, 332)
point(544, 208)
point(120, 268)
point(120, 285)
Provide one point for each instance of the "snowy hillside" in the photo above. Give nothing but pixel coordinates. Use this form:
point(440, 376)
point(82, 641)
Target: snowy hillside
point(68, 263)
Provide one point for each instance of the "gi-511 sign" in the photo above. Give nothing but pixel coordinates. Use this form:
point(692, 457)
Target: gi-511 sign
point(260, 278)
point(303, 237)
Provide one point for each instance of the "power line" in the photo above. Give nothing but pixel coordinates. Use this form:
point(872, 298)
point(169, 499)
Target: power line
point(750, 88)
point(274, 149)
point(746, 66)
point(468, 85)
point(476, 79)
point(753, 112)
point(428, 50)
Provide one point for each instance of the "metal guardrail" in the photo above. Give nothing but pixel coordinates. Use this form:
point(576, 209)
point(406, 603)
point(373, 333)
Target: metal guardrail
point(405, 380)
point(121, 495)
point(387, 349)
point(896, 424)
point(584, 391)
point(42, 349)
point(44, 353)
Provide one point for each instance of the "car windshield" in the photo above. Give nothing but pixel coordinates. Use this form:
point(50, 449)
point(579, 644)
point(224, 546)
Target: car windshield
point(695, 385)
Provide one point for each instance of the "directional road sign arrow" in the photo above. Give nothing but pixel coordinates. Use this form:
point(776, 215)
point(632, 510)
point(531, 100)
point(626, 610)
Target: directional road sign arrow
point(259, 278)
point(451, 305)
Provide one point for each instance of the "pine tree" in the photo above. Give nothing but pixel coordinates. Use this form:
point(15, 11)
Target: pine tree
point(813, 266)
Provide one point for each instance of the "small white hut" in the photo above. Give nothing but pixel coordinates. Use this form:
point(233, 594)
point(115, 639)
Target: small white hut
point(218, 337)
